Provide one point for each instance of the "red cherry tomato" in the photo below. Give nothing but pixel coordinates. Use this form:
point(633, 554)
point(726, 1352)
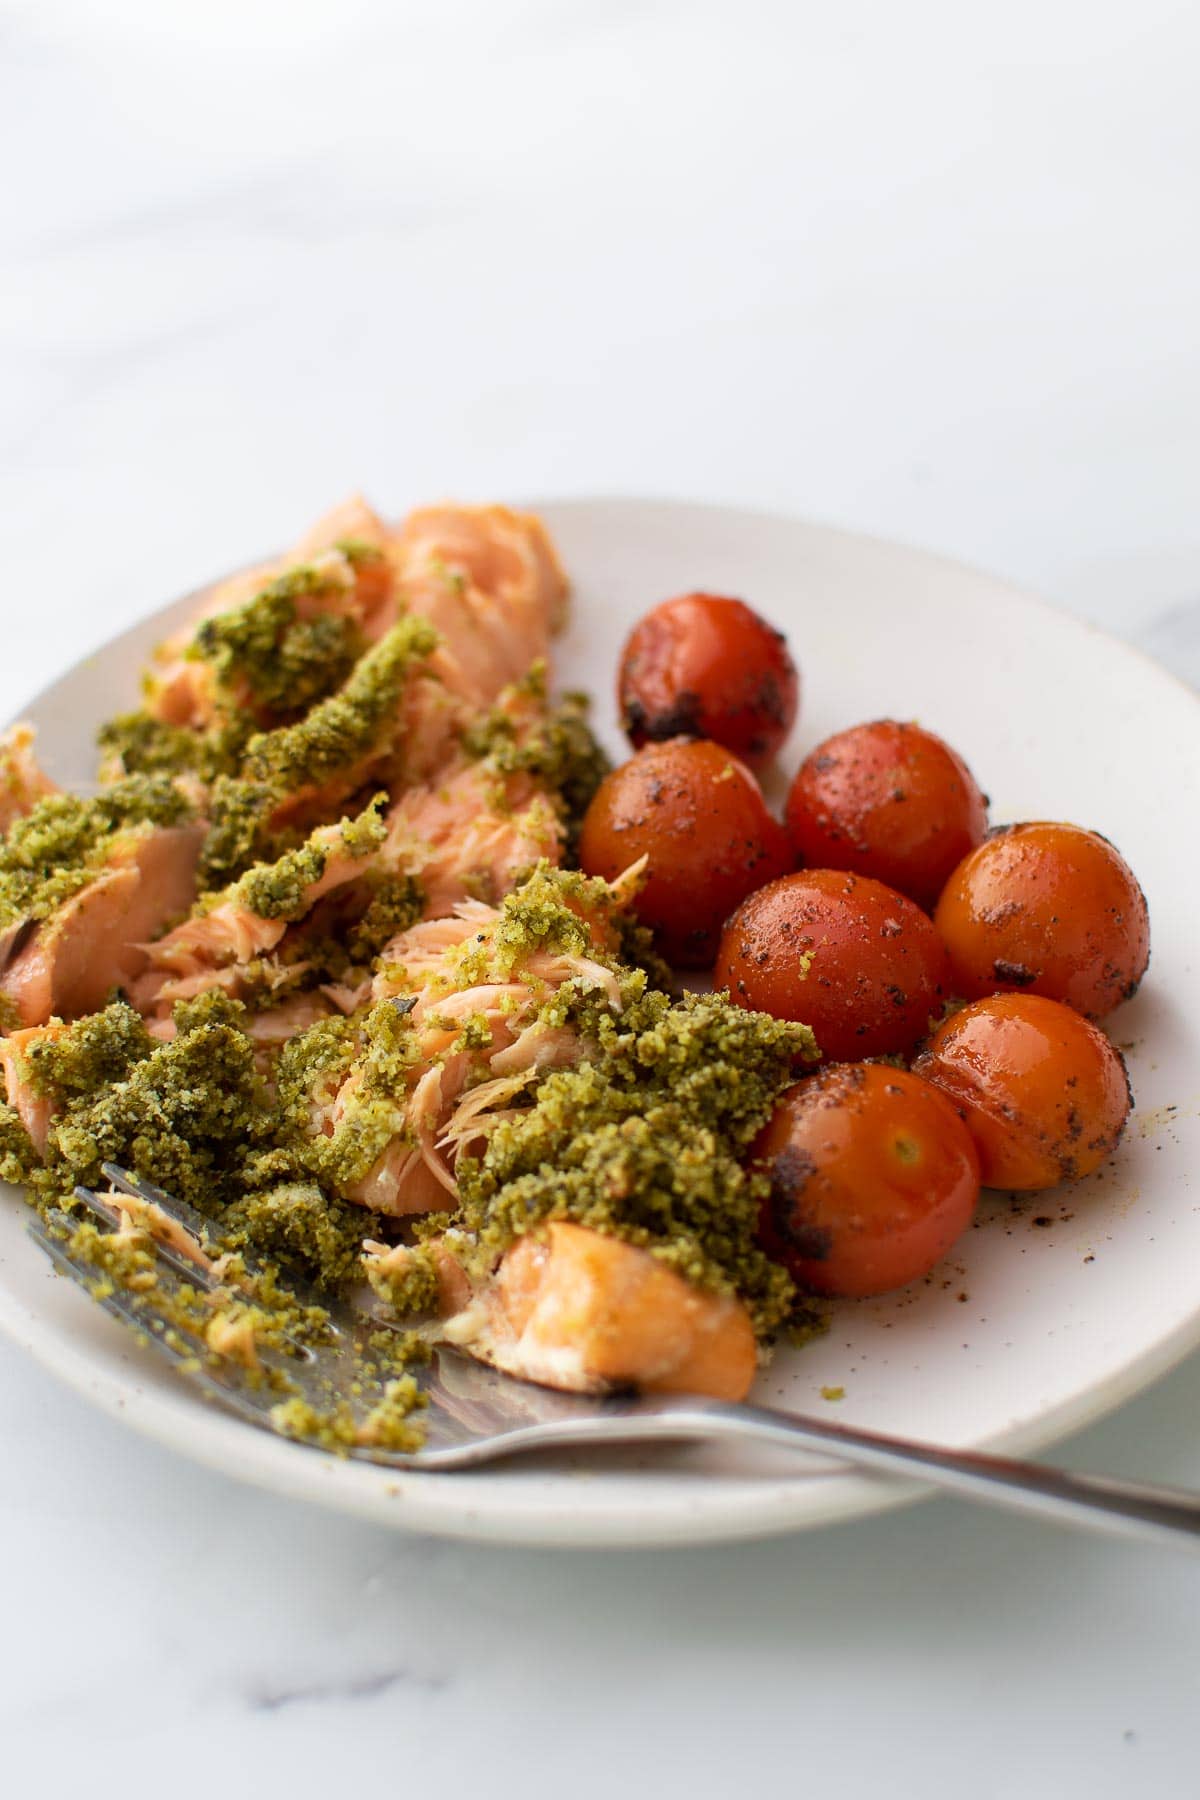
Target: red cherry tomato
point(1046, 909)
point(856, 961)
point(706, 666)
point(873, 1177)
point(699, 816)
point(887, 800)
point(1042, 1091)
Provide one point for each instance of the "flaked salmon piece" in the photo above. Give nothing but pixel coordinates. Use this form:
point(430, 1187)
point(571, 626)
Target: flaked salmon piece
point(572, 1308)
point(453, 1285)
point(22, 782)
point(217, 945)
point(34, 1109)
point(348, 552)
point(486, 578)
point(451, 1096)
point(210, 944)
point(415, 1173)
point(470, 833)
point(490, 583)
point(349, 530)
point(95, 941)
point(275, 1025)
point(237, 930)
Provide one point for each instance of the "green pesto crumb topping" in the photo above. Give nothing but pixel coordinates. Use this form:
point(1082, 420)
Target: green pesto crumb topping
point(393, 1423)
point(19, 1161)
point(240, 830)
point(559, 751)
point(189, 1115)
point(645, 1141)
point(409, 1285)
point(55, 850)
point(281, 889)
point(196, 1117)
point(265, 653)
point(395, 905)
point(380, 1047)
point(359, 551)
point(295, 1223)
point(103, 1048)
point(538, 916)
point(339, 733)
point(136, 743)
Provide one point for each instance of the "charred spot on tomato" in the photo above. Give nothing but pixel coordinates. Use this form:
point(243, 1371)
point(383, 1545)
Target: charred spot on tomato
point(706, 665)
point(1050, 908)
point(682, 718)
point(1015, 973)
point(790, 1171)
point(878, 1177)
point(814, 1243)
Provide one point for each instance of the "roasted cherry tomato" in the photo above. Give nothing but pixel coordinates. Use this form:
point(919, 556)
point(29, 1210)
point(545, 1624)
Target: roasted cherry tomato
point(887, 800)
point(708, 667)
point(873, 1177)
point(1046, 909)
point(1041, 1090)
point(856, 961)
point(699, 816)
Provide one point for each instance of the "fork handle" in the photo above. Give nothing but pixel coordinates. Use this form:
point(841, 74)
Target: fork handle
point(1130, 1508)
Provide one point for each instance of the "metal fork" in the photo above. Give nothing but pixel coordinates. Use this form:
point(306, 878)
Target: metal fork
point(475, 1415)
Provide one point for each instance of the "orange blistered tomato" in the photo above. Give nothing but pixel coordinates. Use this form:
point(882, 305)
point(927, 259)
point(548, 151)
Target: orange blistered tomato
point(873, 1177)
point(699, 816)
point(1046, 909)
point(856, 961)
point(706, 666)
point(1041, 1090)
point(887, 800)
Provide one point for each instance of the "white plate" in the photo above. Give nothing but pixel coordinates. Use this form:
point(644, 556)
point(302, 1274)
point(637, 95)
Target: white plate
point(1053, 1310)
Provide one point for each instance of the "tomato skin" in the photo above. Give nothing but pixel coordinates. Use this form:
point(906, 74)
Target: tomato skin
point(888, 800)
point(707, 666)
point(858, 962)
point(1046, 909)
point(1041, 1090)
point(699, 816)
point(873, 1178)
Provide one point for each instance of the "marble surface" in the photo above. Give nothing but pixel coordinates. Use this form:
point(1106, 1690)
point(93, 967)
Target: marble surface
point(923, 271)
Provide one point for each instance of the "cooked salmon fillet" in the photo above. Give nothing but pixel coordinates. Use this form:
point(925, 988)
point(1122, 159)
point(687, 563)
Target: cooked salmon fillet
point(575, 1308)
point(68, 965)
point(486, 579)
point(34, 1108)
point(218, 944)
point(22, 782)
point(180, 688)
point(452, 1095)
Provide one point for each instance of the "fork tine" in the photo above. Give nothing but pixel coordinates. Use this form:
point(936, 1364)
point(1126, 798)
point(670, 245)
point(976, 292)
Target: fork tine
point(138, 1189)
point(197, 1226)
point(102, 1209)
point(469, 1405)
point(322, 1377)
point(185, 1350)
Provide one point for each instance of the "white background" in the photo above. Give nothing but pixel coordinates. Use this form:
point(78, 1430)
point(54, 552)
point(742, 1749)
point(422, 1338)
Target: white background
point(928, 270)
